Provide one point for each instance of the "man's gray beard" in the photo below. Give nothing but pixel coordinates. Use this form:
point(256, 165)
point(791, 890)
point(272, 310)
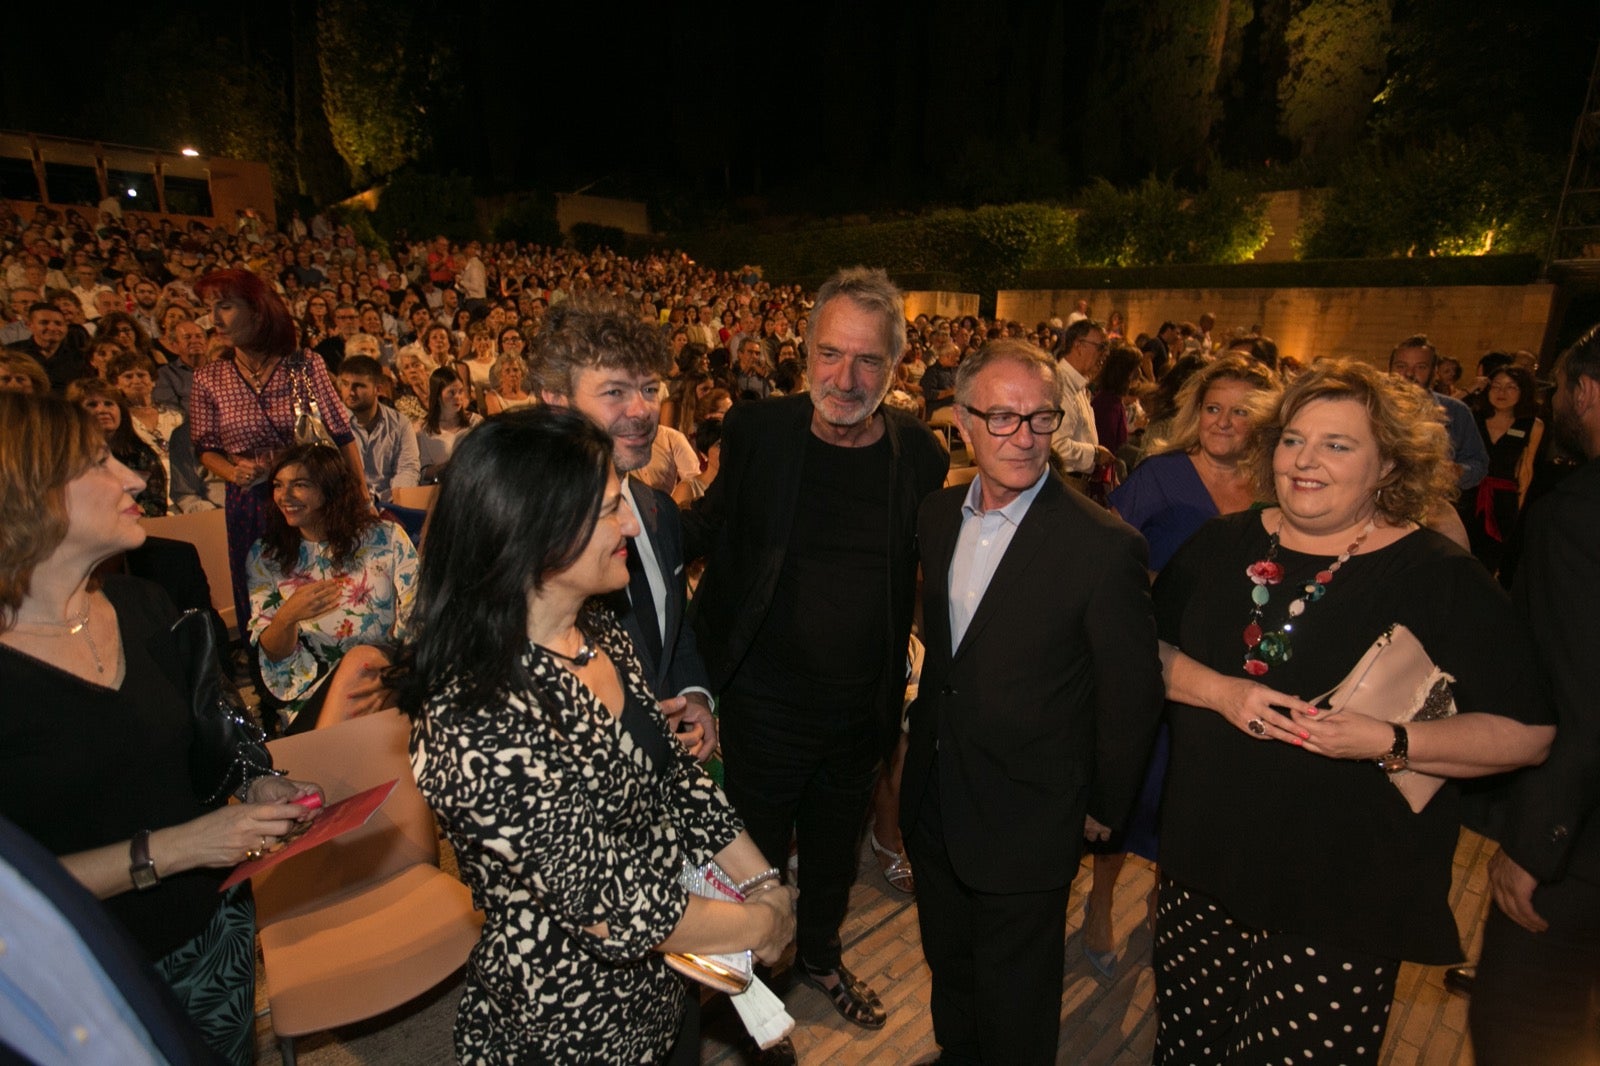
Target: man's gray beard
point(868, 410)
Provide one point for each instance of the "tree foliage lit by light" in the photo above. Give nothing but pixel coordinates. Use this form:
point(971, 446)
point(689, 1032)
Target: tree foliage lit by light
point(1336, 63)
point(378, 72)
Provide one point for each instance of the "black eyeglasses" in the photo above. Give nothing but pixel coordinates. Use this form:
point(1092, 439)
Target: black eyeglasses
point(1006, 423)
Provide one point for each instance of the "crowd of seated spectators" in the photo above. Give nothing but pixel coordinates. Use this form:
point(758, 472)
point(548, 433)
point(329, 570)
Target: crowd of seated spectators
point(114, 300)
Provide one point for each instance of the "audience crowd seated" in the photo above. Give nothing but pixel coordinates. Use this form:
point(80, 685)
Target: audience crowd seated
point(211, 358)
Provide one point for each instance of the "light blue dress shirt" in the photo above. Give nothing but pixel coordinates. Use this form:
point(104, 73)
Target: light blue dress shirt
point(981, 544)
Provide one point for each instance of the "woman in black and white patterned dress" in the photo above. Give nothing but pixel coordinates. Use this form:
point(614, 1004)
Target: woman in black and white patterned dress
point(570, 805)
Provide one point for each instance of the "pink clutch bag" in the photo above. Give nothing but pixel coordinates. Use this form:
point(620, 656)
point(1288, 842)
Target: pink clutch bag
point(1396, 681)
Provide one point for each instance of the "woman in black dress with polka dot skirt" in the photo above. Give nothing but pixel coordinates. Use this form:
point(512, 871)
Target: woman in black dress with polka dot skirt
point(1296, 876)
point(571, 806)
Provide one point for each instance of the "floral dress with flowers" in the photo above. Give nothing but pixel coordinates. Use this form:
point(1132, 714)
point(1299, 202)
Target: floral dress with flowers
point(380, 581)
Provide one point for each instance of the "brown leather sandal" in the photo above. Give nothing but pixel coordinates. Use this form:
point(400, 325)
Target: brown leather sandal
point(853, 1000)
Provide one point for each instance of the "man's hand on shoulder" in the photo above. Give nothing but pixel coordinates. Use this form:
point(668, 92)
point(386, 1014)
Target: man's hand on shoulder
point(693, 723)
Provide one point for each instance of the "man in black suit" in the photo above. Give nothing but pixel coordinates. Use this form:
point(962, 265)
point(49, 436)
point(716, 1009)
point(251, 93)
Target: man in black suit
point(804, 612)
point(1534, 996)
point(1037, 707)
point(597, 356)
point(1160, 346)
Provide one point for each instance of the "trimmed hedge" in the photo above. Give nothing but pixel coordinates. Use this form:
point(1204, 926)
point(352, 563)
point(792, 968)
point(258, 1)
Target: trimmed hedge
point(1453, 197)
point(1311, 273)
point(973, 250)
point(990, 247)
point(1156, 222)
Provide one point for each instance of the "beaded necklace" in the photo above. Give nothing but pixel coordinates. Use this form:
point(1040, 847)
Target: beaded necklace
point(1265, 649)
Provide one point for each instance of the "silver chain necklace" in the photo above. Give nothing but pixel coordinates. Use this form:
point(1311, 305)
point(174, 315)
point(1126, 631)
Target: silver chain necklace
point(73, 627)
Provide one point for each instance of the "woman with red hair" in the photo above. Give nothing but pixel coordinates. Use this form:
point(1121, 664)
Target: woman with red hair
point(242, 406)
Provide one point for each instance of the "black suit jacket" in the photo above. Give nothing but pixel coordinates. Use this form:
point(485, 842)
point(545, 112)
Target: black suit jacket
point(1048, 708)
point(680, 666)
point(742, 523)
point(1547, 814)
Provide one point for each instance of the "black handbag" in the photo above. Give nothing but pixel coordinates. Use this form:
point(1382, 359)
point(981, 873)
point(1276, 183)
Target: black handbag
point(229, 749)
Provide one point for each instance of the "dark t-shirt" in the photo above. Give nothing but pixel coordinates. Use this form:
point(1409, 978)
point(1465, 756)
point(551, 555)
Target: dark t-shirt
point(82, 766)
point(1296, 842)
point(936, 379)
point(66, 365)
point(824, 630)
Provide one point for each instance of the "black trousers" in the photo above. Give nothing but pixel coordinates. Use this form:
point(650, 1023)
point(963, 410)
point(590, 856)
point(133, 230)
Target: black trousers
point(806, 771)
point(996, 958)
point(1534, 996)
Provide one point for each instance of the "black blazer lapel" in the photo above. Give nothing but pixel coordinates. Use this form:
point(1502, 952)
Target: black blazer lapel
point(1015, 564)
point(938, 549)
point(639, 594)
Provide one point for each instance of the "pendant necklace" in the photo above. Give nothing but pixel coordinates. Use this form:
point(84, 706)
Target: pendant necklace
point(1265, 649)
point(73, 627)
point(580, 658)
point(255, 376)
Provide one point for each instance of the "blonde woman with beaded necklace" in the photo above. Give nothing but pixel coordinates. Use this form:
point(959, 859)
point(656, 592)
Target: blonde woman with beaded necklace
point(1295, 875)
point(95, 727)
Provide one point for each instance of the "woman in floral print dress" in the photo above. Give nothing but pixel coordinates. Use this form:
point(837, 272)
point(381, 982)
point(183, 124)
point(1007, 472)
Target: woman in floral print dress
point(571, 806)
point(330, 588)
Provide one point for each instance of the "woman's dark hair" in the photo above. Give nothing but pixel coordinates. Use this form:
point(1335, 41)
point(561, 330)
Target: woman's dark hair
point(1116, 376)
point(682, 391)
point(346, 510)
point(107, 325)
point(1527, 399)
point(126, 444)
point(690, 357)
point(788, 376)
point(312, 323)
point(1164, 401)
point(1492, 362)
point(438, 381)
point(274, 332)
point(123, 362)
point(517, 503)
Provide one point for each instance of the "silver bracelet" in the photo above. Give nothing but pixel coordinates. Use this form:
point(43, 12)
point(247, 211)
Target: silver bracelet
point(244, 787)
point(748, 883)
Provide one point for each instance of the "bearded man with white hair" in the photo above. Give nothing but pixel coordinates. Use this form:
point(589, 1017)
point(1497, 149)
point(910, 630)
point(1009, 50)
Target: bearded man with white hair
point(805, 608)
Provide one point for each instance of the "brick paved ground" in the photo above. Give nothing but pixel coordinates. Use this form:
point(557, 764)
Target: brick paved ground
point(1101, 1023)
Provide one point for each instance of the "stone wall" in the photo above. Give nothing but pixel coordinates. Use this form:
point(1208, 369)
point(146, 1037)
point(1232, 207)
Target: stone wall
point(1462, 321)
point(630, 216)
point(949, 304)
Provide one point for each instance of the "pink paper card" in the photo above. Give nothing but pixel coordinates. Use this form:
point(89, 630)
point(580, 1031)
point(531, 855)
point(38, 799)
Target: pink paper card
point(335, 820)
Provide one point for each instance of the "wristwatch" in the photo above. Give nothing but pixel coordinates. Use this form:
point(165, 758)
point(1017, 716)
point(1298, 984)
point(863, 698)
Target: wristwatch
point(141, 867)
point(1397, 757)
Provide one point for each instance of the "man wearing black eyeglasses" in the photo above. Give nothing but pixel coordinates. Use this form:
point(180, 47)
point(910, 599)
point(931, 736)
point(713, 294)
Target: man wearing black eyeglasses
point(1076, 442)
point(1038, 703)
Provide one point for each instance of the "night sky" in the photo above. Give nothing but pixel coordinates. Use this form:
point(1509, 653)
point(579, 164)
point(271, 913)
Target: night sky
point(824, 106)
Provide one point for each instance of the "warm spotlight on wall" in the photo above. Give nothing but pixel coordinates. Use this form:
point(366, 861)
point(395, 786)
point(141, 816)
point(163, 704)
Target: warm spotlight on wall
point(191, 152)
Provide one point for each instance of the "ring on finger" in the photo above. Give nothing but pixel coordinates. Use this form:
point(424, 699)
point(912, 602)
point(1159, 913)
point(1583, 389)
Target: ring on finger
point(1257, 726)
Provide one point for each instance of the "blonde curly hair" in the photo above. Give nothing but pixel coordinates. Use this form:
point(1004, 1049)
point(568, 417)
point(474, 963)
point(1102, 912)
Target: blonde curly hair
point(1407, 424)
